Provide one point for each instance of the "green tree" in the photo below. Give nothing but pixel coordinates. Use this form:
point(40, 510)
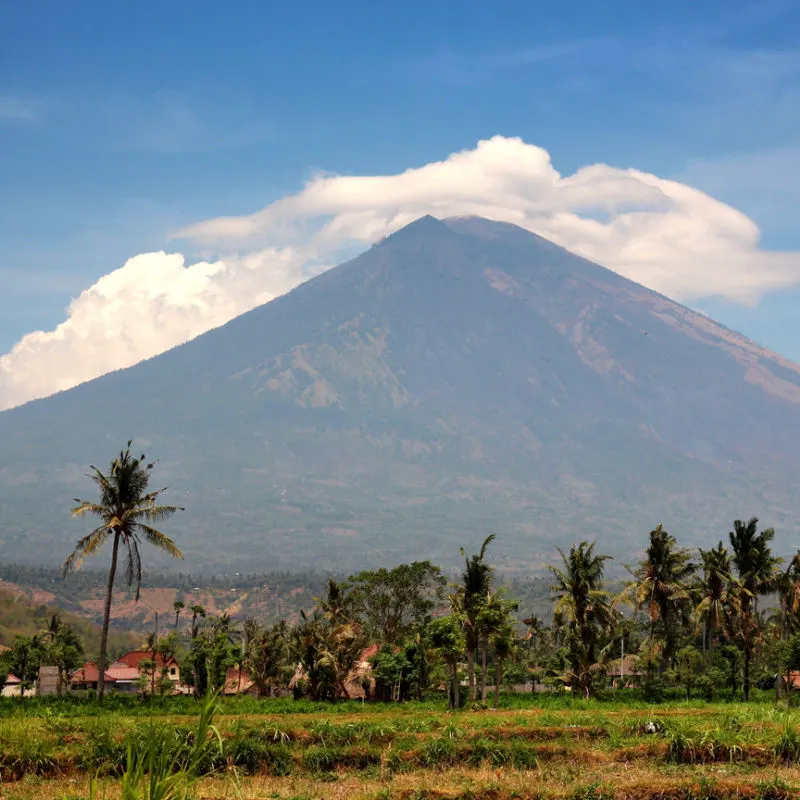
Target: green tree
point(62, 648)
point(127, 510)
point(495, 615)
point(476, 583)
point(391, 603)
point(661, 587)
point(177, 607)
point(504, 642)
point(447, 638)
point(23, 660)
point(583, 605)
point(266, 658)
point(717, 595)
point(787, 582)
point(756, 570)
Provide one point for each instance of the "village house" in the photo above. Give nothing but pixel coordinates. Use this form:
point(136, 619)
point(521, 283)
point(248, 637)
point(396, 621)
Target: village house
point(125, 674)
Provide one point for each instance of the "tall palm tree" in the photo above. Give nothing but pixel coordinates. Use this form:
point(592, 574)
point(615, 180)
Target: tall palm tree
point(716, 593)
point(127, 510)
point(584, 606)
point(661, 587)
point(476, 582)
point(756, 567)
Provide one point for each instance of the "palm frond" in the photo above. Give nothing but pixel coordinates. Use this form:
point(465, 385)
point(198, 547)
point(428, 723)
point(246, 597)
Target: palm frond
point(158, 539)
point(86, 546)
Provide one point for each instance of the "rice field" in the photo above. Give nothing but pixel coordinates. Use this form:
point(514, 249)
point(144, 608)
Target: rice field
point(298, 750)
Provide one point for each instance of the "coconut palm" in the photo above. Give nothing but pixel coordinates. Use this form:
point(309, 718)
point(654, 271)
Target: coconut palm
point(585, 609)
point(788, 585)
point(127, 510)
point(197, 612)
point(494, 615)
point(660, 586)
point(177, 607)
point(476, 582)
point(717, 594)
point(756, 568)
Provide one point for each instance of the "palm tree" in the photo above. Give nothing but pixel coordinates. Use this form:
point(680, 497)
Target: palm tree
point(472, 596)
point(755, 566)
point(447, 637)
point(661, 588)
point(197, 612)
point(788, 585)
point(177, 607)
point(504, 641)
point(584, 607)
point(718, 599)
point(127, 510)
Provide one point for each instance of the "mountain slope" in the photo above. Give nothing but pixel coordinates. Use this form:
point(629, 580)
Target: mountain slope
point(459, 377)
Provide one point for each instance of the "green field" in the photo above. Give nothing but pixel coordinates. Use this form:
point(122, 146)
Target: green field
point(533, 747)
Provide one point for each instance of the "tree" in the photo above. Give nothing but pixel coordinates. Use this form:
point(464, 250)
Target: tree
point(585, 609)
point(755, 566)
point(787, 583)
point(24, 660)
point(127, 509)
point(62, 648)
point(391, 603)
point(661, 586)
point(266, 657)
point(198, 612)
point(504, 642)
point(717, 595)
point(177, 607)
point(476, 582)
point(494, 616)
point(447, 638)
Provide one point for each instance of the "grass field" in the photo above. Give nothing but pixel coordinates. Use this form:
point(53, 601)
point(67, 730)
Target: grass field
point(285, 749)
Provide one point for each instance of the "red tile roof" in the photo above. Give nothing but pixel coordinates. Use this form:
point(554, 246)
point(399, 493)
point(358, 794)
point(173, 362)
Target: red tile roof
point(135, 657)
point(12, 679)
point(88, 673)
point(122, 673)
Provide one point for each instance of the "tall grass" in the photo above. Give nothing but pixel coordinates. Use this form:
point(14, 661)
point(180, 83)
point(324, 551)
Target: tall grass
point(161, 765)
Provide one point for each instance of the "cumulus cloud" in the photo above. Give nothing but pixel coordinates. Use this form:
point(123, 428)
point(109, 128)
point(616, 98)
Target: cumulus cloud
point(661, 233)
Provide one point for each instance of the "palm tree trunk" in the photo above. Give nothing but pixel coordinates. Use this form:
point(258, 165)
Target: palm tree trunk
point(484, 648)
point(471, 673)
point(710, 644)
point(454, 703)
point(498, 679)
point(101, 665)
point(746, 681)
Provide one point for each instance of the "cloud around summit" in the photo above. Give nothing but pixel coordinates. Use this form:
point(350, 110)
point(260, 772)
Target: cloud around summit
point(661, 233)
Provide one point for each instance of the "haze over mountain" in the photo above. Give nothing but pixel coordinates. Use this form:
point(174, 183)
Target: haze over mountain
point(459, 378)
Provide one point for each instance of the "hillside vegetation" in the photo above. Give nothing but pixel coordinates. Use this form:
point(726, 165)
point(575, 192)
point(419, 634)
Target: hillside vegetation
point(19, 617)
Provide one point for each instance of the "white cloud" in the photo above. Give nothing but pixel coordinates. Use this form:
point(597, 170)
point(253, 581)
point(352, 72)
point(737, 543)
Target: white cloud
point(663, 234)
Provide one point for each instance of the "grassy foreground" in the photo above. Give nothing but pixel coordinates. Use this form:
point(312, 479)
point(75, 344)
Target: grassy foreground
point(282, 749)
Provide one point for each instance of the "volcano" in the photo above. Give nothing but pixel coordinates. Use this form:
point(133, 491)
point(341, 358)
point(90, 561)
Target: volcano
point(460, 377)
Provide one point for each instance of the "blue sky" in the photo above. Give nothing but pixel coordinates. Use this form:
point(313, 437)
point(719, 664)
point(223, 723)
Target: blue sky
point(120, 124)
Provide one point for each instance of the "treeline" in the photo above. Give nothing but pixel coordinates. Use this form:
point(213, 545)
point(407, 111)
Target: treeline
point(85, 581)
point(693, 621)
